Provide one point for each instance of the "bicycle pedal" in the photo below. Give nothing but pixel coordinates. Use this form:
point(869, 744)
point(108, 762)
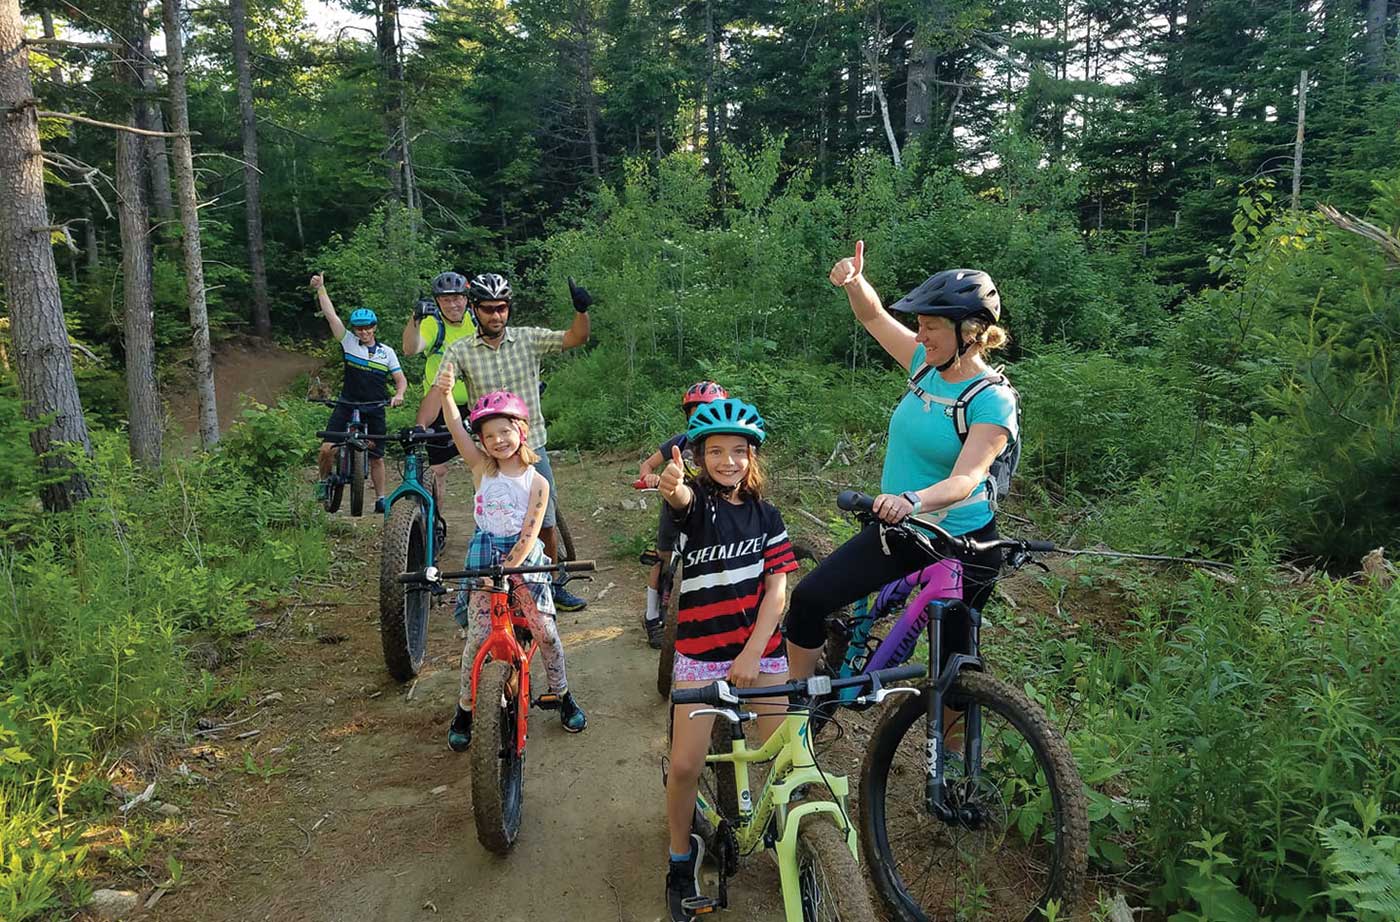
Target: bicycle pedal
point(548, 702)
point(699, 905)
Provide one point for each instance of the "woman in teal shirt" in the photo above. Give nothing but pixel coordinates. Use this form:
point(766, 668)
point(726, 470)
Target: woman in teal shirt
point(929, 468)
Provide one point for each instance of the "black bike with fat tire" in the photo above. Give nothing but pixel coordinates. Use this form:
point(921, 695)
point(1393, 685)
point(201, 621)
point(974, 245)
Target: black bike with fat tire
point(351, 461)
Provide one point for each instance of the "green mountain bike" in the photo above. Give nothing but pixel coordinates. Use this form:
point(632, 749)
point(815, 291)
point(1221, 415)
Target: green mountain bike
point(802, 813)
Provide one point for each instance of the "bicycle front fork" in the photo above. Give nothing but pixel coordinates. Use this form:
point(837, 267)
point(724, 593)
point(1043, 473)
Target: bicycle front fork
point(936, 799)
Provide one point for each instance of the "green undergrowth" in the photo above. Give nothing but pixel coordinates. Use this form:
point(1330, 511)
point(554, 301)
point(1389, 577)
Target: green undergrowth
point(104, 605)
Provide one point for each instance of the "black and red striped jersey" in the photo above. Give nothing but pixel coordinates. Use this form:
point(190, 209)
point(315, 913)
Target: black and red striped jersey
point(727, 550)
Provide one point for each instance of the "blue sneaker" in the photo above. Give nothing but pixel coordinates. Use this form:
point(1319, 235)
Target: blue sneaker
point(459, 735)
point(321, 490)
point(564, 600)
point(379, 505)
point(571, 715)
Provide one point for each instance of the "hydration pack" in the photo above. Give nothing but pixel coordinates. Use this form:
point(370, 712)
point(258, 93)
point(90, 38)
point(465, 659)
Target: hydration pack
point(1004, 465)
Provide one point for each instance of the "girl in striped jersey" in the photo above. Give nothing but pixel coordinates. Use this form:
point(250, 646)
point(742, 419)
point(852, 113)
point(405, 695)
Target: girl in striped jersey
point(735, 559)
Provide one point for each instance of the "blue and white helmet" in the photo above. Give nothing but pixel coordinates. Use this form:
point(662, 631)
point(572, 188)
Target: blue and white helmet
point(730, 416)
point(363, 317)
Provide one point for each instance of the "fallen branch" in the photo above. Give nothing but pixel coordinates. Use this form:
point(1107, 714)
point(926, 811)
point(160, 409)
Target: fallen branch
point(1388, 242)
point(63, 42)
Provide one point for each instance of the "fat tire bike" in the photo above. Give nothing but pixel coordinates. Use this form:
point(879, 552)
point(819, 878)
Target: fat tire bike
point(995, 826)
point(413, 537)
point(801, 814)
point(500, 692)
point(351, 460)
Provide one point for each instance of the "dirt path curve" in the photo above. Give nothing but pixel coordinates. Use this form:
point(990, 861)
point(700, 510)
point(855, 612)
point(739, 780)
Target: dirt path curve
point(365, 813)
point(242, 367)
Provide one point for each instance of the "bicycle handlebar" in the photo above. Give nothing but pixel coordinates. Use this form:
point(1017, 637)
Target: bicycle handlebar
point(418, 434)
point(641, 484)
point(346, 436)
point(337, 402)
point(433, 576)
point(864, 505)
point(719, 694)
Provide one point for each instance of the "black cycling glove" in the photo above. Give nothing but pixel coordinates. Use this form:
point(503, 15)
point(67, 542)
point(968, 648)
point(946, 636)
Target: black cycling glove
point(581, 298)
point(426, 307)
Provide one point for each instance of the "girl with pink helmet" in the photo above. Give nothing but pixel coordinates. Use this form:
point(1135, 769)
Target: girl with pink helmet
point(511, 497)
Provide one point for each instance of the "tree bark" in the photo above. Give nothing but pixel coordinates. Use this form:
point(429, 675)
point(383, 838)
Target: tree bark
point(918, 96)
point(39, 337)
point(872, 58)
point(1298, 139)
point(590, 98)
point(392, 94)
point(252, 177)
point(189, 221)
point(1376, 11)
point(712, 140)
point(144, 412)
point(157, 157)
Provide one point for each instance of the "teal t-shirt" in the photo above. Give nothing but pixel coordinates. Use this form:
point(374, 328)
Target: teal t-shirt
point(924, 445)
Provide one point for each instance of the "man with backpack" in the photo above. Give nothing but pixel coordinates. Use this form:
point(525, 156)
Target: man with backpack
point(954, 442)
point(431, 329)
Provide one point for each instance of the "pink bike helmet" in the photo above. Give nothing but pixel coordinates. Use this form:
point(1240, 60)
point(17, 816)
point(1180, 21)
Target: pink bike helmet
point(497, 403)
point(702, 392)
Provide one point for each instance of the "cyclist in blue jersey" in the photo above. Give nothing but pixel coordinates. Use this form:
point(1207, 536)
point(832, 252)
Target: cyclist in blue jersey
point(369, 364)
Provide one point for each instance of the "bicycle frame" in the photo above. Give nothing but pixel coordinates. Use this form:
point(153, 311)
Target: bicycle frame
point(412, 486)
point(941, 590)
point(502, 645)
point(794, 765)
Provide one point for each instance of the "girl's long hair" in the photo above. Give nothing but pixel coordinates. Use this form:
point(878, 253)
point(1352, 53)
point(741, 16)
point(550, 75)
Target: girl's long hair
point(751, 487)
point(526, 453)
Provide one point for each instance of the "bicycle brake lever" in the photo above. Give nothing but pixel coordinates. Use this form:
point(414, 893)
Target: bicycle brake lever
point(880, 696)
point(733, 717)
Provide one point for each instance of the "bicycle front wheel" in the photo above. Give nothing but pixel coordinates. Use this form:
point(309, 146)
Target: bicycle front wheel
point(828, 878)
point(1021, 835)
point(565, 536)
point(403, 610)
point(335, 483)
point(498, 776)
point(357, 482)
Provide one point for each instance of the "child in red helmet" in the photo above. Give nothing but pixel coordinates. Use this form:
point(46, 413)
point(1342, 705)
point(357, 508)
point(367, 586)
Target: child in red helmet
point(698, 394)
point(511, 497)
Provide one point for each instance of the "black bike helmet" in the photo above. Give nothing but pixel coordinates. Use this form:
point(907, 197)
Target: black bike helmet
point(489, 287)
point(958, 294)
point(450, 283)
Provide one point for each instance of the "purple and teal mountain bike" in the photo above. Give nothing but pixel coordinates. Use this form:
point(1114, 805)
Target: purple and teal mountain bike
point(971, 806)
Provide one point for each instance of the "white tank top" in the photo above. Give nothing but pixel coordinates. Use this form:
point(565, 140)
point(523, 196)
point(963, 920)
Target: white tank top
point(501, 502)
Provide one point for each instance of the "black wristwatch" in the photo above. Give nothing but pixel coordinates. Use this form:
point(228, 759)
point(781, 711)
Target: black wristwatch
point(912, 497)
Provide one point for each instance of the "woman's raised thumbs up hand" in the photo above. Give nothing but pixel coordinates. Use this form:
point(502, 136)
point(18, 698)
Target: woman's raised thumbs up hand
point(849, 269)
point(673, 476)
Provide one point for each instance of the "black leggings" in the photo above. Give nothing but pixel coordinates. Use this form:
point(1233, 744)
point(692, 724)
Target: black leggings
point(860, 566)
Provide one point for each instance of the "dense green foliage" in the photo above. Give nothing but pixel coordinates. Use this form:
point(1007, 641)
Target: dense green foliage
point(113, 610)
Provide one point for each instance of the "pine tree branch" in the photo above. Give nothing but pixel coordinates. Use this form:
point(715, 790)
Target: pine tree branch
point(69, 116)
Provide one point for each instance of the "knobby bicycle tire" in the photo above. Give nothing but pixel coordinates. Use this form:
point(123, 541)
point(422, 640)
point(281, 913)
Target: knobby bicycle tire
point(995, 886)
point(357, 482)
point(829, 879)
point(565, 536)
point(666, 656)
point(403, 609)
point(335, 483)
point(498, 776)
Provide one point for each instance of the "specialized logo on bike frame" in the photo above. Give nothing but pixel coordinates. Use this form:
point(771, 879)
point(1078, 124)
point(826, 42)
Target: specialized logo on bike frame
point(724, 551)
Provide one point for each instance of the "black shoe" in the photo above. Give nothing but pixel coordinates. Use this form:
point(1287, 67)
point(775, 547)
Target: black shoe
point(656, 632)
point(683, 883)
point(459, 735)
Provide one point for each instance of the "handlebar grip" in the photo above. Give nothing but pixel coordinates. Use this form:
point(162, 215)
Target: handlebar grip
point(855, 501)
point(1041, 547)
point(900, 673)
point(580, 566)
point(640, 484)
point(409, 578)
point(702, 695)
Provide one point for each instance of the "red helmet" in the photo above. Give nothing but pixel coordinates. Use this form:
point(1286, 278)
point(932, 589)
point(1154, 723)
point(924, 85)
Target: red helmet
point(702, 392)
point(497, 403)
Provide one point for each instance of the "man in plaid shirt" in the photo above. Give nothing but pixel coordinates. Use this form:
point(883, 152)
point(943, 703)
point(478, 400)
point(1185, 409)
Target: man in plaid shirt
point(504, 358)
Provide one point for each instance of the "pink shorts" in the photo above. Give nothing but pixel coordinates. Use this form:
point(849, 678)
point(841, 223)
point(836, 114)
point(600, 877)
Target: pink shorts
point(694, 670)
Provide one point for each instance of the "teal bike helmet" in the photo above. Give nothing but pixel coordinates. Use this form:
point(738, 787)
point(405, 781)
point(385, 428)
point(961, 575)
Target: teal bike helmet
point(363, 317)
point(730, 416)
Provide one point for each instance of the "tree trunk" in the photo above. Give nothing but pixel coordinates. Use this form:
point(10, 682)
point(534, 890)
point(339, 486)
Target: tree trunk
point(39, 337)
point(189, 221)
point(1298, 140)
point(872, 58)
point(1376, 11)
point(252, 177)
point(296, 204)
point(590, 101)
point(392, 70)
point(158, 160)
point(144, 412)
point(712, 142)
point(918, 96)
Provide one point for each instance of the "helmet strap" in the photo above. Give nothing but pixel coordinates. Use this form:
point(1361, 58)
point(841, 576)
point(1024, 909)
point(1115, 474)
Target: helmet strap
point(963, 346)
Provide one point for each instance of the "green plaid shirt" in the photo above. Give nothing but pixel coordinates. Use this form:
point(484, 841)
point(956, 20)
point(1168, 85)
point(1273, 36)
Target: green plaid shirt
point(513, 365)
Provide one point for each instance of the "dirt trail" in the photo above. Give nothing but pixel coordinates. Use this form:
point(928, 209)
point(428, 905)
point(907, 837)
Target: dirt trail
point(350, 827)
point(241, 368)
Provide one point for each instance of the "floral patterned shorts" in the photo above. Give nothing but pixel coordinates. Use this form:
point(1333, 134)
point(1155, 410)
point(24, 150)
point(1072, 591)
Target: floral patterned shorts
point(694, 670)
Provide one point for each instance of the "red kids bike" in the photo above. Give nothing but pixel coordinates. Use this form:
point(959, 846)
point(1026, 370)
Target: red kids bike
point(501, 683)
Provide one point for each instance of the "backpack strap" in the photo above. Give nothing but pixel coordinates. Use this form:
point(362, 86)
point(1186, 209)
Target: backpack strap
point(928, 399)
point(439, 339)
point(965, 399)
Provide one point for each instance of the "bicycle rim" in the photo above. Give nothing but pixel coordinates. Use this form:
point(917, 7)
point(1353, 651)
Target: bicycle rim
point(1025, 838)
